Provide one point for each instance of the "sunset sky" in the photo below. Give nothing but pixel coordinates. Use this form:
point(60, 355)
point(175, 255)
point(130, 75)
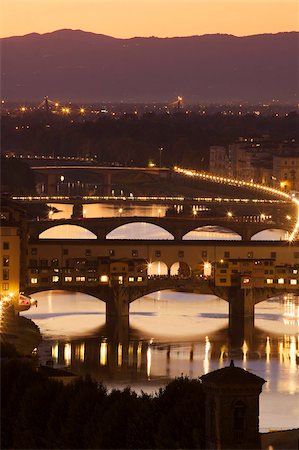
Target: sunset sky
point(163, 18)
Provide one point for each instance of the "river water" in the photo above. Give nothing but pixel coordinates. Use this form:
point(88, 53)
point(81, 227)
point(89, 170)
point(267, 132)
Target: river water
point(171, 334)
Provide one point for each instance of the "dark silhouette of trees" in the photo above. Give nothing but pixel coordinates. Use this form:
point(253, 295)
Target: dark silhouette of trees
point(131, 140)
point(38, 412)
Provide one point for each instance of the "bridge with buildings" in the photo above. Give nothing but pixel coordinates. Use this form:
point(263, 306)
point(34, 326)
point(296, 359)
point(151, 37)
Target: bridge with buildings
point(119, 271)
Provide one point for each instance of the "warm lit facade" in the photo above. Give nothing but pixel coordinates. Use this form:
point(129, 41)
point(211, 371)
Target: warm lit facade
point(257, 273)
point(10, 262)
point(68, 264)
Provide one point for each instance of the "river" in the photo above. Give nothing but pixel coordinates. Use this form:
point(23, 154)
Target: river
point(171, 334)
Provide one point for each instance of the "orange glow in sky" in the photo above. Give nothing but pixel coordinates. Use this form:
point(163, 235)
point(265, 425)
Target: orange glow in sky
point(163, 18)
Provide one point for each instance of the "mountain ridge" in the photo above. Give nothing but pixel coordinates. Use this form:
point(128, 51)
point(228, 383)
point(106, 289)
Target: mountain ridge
point(85, 66)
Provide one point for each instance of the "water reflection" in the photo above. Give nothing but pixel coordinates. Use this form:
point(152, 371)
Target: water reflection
point(172, 334)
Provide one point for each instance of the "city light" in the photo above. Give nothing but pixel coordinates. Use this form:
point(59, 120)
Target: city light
point(245, 184)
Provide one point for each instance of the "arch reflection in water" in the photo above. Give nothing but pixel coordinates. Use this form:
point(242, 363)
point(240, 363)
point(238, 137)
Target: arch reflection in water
point(187, 336)
point(67, 232)
point(211, 232)
point(273, 234)
point(67, 314)
point(140, 230)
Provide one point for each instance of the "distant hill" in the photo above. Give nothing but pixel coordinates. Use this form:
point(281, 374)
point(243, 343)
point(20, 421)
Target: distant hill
point(80, 66)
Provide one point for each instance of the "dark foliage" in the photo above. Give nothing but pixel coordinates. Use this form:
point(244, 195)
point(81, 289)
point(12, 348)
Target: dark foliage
point(131, 140)
point(16, 177)
point(41, 413)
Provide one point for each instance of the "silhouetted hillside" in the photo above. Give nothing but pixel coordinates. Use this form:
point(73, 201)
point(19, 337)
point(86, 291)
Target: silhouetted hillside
point(79, 66)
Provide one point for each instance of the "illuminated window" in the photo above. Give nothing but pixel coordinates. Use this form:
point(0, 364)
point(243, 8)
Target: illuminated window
point(55, 279)
point(139, 279)
point(280, 280)
point(293, 281)
point(80, 278)
point(104, 279)
point(295, 271)
point(5, 286)
point(5, 261)
point(246, 280)
point(5, 274)
point(33, 281)
point(120, 279)
point(131, 279)
point(269, 280)
point(68, 279)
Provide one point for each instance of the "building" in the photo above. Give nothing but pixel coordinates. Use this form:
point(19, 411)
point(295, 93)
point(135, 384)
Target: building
point(10, 253)
point(220, 163)
point(286, 172)
point(232, 408)
point(256, 273)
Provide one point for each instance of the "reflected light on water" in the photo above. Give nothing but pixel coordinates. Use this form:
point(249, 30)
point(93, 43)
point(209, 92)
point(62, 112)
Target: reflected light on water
point(245, 350)
point(268, 350)
point(119, 355)
point(103, 353)
point(55, 353)
point(148, 362)
point(173, 333)
point(80, 352)
point(130, 354)
point(206, 362)
point(67, 354)
point(139, 355)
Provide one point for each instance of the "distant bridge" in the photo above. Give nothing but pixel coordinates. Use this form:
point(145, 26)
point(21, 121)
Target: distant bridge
point(54, 172)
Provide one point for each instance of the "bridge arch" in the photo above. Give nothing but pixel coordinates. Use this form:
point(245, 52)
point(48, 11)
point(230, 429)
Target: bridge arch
point(212, 232)
point(140, 230)
point(180, 268)
point(94, 293)
point(271, 234)
point(157, 268)
point(67, 231)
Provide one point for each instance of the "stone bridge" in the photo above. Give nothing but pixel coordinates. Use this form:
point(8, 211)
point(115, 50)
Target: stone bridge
point(52, 173)
point(245, 226)
point(118, 298)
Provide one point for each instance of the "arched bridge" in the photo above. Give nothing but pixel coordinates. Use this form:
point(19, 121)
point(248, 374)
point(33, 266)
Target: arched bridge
point(118, 297)
point(177, 227)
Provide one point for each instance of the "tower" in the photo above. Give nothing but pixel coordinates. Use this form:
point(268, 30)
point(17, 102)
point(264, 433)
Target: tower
point(232, 408)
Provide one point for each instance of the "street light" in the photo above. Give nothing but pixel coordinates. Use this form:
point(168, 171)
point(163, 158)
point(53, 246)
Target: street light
point(160, 150)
